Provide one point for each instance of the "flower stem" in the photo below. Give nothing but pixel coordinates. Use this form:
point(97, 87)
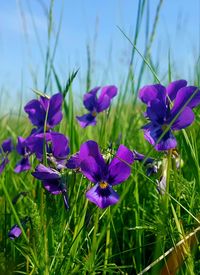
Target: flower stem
point(107, 252)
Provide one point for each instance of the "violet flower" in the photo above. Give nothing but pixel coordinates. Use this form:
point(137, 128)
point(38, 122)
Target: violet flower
point(57, 147)
point(5, 148)
point(104, 175)
point(52, 181)
point(150, 164)
point(14, 232)
point(163, 106)
point(74, 162)
point(45, 109)
point(96, 105)
point(22, 149)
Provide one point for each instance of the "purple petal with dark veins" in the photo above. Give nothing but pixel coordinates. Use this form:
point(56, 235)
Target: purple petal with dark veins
point(152, 92)
point(118, 170)
point(91, 169)
point(183, 96)
point(153, 132)
point(36, 112)
point(44, 102)
point(74, 161)
point(86, 120)
point(101, 197)
point(103, 104)
point(184, 119)
point(156, 111)
point(90, 99)
point(173, 88)
point(36, 142)
point(91, 149)
point(52, 186)
point(7, 145)
point(55, 110)
point(21, 144)
point(22, 165)
point(60, 145)
point(107, 93)
point(45, 173)
point(110, 91)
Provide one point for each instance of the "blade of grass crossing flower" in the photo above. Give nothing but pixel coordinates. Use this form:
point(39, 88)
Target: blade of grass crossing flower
point(170, 124)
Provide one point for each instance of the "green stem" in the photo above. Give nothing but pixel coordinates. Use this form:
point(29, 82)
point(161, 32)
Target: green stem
point(107, 252)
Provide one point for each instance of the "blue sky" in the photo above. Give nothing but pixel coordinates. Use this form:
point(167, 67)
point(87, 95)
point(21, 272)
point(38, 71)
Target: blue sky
point(92, 22)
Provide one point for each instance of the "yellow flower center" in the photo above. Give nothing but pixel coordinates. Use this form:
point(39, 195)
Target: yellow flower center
point(94, 114)
point(164, 127)
point(103, 184)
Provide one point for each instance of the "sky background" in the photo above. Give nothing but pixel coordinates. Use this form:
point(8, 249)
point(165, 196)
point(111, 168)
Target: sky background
point(93, 23)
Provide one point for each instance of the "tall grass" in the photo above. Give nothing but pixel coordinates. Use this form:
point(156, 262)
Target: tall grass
point(145, 233)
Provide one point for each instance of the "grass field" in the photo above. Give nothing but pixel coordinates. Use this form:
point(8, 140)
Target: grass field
point(147, 231)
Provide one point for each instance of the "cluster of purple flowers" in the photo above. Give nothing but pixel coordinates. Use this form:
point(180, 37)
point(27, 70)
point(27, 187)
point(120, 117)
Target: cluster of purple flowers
point(168, 109)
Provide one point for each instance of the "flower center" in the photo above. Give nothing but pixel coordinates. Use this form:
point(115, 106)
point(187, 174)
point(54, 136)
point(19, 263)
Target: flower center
point(94, 113)
point(103, 184)
point(164, 127)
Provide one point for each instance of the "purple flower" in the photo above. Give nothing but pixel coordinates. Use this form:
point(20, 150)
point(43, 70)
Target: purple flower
point(14, 232)
point(5, 148)
point(45, 109)
point(96, 105)
point(104, 175)
point(151, 164)
point(57, 147)
point(52, 181)
point(163, 106)
point(22, 149)
point(73, 162)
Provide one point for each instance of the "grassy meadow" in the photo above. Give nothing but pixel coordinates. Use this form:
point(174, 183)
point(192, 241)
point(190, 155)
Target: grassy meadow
point(146, 232)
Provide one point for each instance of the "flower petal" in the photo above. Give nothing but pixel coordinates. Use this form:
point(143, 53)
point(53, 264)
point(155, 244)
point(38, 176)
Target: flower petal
point(103, 104)
point(73, 162)
point(52, 186)
point(102, 199)
point(22, 165)
point(60, 145)
point(156, 111)
point(184, 120)
point(183, 96)
point(152, 92)
point(21, 144)
point(45, 173)
point(107, 93)
point(7, 145)
point(36, 112)
point(90, 99)
point(36, 142)
point(118, 170)
point(86, 120)
point(152, 134)
point(174, 86)
point(91, 149)
point(55, 110)
point(14, 232)
point(91, 169)
point(110, 91)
